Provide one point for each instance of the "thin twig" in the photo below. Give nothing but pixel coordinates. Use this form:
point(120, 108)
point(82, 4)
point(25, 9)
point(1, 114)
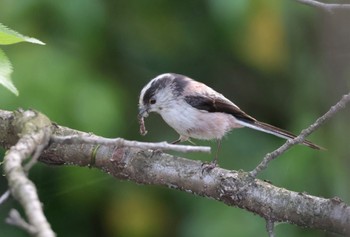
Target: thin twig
point(325, 6)
point(76, 139)
point(39, 149)
point(270, 227)
point(15, 219)
point(304, 133)
point(35, 130)
point(4, 197)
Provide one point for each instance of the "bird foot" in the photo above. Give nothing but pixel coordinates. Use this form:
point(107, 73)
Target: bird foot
point(208, 166)
point(156, 152)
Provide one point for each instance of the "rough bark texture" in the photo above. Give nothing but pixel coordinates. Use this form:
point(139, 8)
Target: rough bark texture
point(231, 187)
point(33, 130)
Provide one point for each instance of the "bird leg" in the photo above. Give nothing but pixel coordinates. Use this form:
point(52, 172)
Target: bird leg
point(208, 166)
point(182, 139)
point(176, 141)
point(218, 147)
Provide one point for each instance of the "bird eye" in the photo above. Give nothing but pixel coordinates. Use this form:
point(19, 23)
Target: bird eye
point(152, 101)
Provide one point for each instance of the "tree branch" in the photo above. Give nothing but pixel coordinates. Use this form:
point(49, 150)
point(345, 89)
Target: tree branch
point(15, 219)
point(325, 6)
point(92, 139)
point(230, 187)
point(34, 131)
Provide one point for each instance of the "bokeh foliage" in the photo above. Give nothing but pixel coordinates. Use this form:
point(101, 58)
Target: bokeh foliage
point(7, 37)
point(269, 56)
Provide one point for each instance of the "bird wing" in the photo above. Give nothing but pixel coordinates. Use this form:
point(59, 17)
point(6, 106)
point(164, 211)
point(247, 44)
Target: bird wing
point(213, 103)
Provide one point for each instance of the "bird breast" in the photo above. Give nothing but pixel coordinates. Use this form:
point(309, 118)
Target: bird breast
point(199, 124)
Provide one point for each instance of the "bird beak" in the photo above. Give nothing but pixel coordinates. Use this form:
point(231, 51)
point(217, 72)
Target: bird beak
point(143, 112)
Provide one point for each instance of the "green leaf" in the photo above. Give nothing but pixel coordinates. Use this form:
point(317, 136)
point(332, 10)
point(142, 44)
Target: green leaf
point(8, 36)
point(5, 73)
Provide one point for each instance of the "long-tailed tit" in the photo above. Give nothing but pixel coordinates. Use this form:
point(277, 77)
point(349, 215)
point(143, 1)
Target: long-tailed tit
point(195, 110)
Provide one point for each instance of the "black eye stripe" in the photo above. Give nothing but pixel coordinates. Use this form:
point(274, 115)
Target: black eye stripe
point(178, 82)
point(148, 95)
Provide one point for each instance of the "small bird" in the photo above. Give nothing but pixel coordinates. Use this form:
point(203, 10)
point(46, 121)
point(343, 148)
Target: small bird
point(197, 111)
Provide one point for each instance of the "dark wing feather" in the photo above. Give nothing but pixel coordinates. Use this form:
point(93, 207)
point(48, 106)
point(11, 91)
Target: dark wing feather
point(217, 104)
point(223, 105)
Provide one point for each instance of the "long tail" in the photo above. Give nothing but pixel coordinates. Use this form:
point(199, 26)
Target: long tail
point(267, 128)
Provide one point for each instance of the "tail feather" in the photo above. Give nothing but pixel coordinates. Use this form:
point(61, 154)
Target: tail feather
point(267, 128)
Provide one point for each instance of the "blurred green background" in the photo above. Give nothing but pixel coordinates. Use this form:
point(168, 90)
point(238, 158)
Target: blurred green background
point(282, 62)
